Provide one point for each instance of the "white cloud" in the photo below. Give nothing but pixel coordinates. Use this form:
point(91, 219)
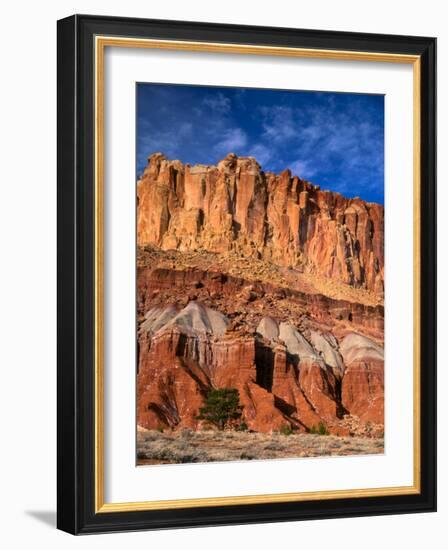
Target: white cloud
point(261, 153)
point(233, 140)
point(331, 143)
point(278, 123)
point(218, 103)
point(302, 168)
point(185, 129)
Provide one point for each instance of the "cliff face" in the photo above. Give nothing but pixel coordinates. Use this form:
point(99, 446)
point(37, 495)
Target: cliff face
point(283, 378)
point(297, 359)
point(235, 207)
point(263, 283)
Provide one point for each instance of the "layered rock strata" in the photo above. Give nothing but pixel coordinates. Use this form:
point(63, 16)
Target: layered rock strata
point(283, 378)
point(259, 282)
point(236, 206)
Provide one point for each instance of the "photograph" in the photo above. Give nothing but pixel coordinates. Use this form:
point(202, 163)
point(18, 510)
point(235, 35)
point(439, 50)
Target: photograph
point(246, 273)
point(260, 274)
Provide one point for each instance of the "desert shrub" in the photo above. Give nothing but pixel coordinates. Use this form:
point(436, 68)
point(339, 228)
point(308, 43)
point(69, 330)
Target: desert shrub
point(323, 430)
point(336, 445)
point(242, 427)
point(274, 446)
point(286, 429)
point(181, 445)
point(193, 457)
point(186, 433)
point(354, 449)
point(176, 451)
point(160, 429)
point(247, 456)
point(222, 408)
point(320, 429)
point(152, 436)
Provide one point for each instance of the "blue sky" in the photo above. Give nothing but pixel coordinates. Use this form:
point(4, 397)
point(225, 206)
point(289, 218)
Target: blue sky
point(335, 140)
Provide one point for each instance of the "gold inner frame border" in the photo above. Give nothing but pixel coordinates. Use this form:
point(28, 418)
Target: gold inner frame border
point(100, 44)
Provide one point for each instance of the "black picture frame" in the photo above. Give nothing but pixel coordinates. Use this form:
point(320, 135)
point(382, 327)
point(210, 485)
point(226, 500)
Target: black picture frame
point(76, 255)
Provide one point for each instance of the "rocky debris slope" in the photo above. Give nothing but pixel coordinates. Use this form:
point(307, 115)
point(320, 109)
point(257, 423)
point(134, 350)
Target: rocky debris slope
point(235, 207)
point(245, 301)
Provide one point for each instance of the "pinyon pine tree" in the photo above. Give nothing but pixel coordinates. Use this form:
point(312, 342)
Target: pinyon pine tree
point(222, 407)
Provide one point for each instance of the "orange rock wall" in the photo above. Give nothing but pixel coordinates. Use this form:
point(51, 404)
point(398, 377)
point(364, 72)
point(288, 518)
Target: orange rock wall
point(235, 206)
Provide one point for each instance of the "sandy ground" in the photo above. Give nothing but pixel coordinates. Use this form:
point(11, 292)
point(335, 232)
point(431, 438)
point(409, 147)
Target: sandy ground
point(210, 446)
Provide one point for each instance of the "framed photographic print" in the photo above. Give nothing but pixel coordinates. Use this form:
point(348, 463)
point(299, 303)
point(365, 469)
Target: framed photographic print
point(246, 274)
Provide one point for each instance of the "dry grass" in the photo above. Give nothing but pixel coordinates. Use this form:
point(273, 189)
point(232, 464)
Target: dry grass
point(210, 446)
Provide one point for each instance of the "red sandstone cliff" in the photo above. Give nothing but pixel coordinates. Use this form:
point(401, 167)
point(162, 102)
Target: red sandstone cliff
point(296, 359)
point(263, 283)
point(283, 379)
point(235, 206)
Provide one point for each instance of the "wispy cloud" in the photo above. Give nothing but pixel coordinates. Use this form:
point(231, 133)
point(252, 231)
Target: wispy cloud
point(233, 140)
point(302, 168)
point(262, 153)
point(278, 123)
point(335, 140)
point(217, 102)
point(343, 144)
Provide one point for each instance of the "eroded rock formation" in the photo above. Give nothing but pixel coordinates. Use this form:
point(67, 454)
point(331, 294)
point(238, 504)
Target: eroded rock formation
point(283, 379)
point(235, 206)
point(263, 283)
